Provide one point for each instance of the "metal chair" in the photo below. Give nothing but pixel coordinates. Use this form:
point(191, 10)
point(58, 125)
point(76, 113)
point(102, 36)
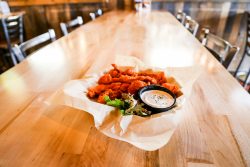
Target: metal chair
point(74, 23)
point(191, 25)
point(181, 16)
point(20, 51)
point(244, 75)
point(13, 32)
point(94, 15)
point(221, 49)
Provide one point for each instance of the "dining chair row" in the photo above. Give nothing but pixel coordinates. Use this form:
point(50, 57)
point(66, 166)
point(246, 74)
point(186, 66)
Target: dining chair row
point(188, 22)
point(221, 49)
point(13, 32)
point(66, 27)
point(226, 52)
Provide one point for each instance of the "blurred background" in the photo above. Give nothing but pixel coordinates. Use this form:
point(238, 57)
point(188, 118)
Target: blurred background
point(222, 17)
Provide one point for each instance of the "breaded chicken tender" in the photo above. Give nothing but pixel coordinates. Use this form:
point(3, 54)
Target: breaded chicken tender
point(115, 82)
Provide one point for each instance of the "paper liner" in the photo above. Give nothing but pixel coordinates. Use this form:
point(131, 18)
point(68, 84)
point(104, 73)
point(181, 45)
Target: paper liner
point(147, 133)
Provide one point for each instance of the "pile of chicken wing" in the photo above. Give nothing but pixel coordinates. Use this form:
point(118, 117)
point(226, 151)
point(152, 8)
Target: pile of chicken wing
point(115, 82)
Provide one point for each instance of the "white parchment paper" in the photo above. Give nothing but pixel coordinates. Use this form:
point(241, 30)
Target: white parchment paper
point(147, 133)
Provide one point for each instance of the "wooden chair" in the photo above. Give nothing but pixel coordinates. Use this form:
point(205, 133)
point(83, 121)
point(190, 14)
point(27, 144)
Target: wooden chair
point(73, 23)
point(221, 49)
point(20, 51)
point(191, 25)
point(94, 15)
point(181, 16)
point(13, 32)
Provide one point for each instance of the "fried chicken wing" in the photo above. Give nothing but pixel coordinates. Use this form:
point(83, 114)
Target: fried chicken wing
point(129, 72)
point(95, 91)
point(115, 82)
point(158, 76)
point(111, 93)
point(91, 93)
point(147, 79)
point(115, 86)
point(102, 95)
point(115, 94)
point(172, 87)
point(135, 86)
point(129, 79)
point(124, 87)
point(114, 73)
point(105, 79)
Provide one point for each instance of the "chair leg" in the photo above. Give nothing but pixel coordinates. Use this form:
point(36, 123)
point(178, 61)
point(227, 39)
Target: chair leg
point(239, 65)
point(6, 61)
point(13, 58)
point(247, 79)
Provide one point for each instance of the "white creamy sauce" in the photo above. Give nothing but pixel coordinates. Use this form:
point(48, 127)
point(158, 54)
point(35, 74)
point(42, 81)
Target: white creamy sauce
point(157, 98)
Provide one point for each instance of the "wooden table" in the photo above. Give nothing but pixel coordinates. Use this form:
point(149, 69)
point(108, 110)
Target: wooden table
point(215, 130)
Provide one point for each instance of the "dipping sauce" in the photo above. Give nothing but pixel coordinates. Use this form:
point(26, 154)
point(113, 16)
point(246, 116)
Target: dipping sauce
point(157, 98)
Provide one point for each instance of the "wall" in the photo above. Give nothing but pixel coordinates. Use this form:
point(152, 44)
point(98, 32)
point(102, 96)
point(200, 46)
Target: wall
point(222, 18)
point(39, 18)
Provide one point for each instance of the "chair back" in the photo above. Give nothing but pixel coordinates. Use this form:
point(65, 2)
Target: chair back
point(20, 51)
point(191, 25)
point(73, 23)
point(4, 7)
point(92, 16)
point(13, 29)
point(220, 48)
point(181, 16)
point(97, 13)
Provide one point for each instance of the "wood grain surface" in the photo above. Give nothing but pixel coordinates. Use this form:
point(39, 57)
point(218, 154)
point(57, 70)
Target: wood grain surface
point(214, 131)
